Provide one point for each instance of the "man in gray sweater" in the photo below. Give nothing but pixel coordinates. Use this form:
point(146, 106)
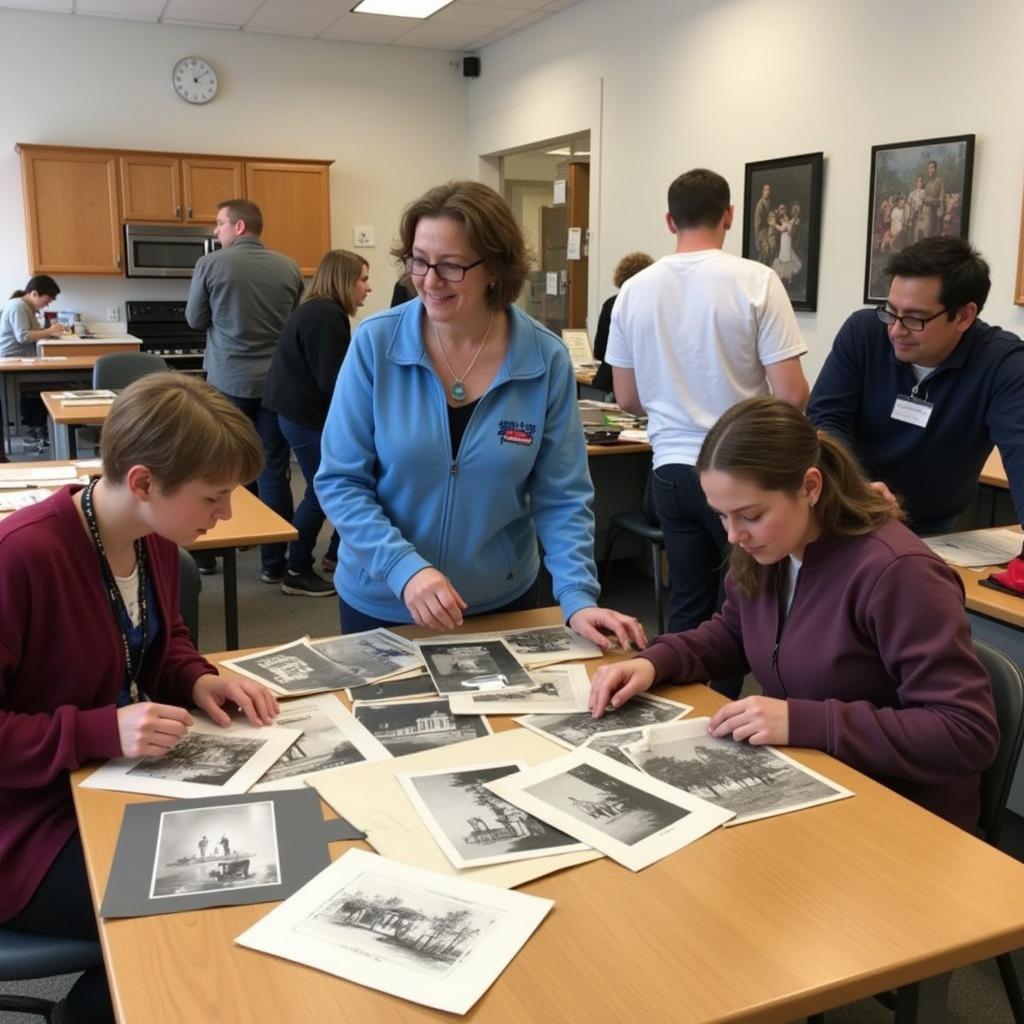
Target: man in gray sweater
point(243, 294)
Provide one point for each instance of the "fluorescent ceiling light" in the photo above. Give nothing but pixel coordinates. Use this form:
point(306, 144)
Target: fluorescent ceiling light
point(401, 8)
point(564, 151)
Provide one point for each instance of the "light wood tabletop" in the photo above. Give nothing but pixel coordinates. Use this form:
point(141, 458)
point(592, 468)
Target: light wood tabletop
point(41, 367)
point(993, 473)
point(87, 346)
point(619, 448)
point(995, 604)
point(769, 921)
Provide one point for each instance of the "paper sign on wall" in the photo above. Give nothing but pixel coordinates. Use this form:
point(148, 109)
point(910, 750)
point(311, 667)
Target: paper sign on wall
point(559, 194)
point(551, 283)
point(573, 245)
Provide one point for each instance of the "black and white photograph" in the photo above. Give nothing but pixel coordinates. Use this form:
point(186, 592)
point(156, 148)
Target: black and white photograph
point(433, 939)
point(206, 761)
point(233, 846)
point(419, 685)
point(611, 743)
point(473, 666)
point(369, 657)
point(472, 825)
point(546, 645)
point(751, 781)
point(291, 670)
point(331, 737)
point(918, 190)
point(627, 815)
point(558, 688)
point(411, 726)
point(782, 222)
point(216, 851)
point(574, 730)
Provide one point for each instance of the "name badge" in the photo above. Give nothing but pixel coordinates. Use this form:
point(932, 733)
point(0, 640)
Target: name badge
point(915, 411)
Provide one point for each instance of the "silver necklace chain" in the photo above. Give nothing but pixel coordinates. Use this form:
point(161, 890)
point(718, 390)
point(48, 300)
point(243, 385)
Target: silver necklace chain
point(458, 388)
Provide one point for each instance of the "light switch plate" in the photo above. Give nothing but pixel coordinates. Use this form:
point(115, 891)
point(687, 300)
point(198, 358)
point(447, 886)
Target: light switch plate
point(364, 237)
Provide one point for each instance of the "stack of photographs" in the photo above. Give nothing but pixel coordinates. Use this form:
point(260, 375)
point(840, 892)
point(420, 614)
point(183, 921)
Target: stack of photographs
point(557, 690)
point(370, 657)
point(330, 738)
point(611, 744)
point(538, 646)
point(631, 817)
point(401, 688)
point(407, 727)
point(432, 939)
point(291, 670)
point(575, 730)
point(751, 782)
point(473, 666)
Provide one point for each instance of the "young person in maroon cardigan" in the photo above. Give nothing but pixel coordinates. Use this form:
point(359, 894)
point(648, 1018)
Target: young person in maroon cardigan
point(854, 629)
point(95, 661)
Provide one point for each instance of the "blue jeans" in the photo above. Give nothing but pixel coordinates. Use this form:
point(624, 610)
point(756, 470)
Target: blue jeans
point(309, 516)
point(273, 487)
point(697, 551)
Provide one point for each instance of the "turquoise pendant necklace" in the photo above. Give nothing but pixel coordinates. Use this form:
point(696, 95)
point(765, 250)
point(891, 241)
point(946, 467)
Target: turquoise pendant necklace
point(458, 388)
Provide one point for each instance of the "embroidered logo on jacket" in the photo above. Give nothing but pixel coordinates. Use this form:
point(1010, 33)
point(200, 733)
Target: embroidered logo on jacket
point(516, 432)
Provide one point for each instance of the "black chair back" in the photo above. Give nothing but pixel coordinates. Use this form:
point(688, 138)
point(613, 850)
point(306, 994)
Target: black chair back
point(118, 369)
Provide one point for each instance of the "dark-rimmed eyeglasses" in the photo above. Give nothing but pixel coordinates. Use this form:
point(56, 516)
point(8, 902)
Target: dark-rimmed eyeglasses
point(911, 323)
point(453, 272)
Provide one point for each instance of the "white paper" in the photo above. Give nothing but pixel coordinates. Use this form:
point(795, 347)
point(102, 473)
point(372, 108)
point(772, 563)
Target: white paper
point(574, 244)
point(977, 548)
point(752, 782)
point(370, 796)
point(442, 942)
point(11, 501)
point(578, 344)
point(290, 670)
point(234, 759)
point(551, 283)
point(472, 826)
point(90, 395)
point(574, 730)
point(559, 689)
point(558, 192)
point(461, 665)
point(330, 738)
point(28, 472)
point(633, 818)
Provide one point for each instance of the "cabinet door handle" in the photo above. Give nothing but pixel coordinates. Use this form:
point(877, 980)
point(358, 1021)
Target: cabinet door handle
point(190, 213)
point(177, 211)
point(118, 261)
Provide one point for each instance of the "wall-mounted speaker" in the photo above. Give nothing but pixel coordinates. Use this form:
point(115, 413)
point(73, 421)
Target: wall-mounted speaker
point(470, 67)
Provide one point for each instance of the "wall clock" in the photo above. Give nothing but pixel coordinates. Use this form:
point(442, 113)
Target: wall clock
point(194, 80)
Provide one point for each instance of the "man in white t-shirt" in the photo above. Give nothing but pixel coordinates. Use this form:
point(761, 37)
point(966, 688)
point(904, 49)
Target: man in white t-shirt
point(692, 335)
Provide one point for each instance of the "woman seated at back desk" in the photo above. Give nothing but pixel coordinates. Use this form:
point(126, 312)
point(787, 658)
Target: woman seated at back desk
point(855, 630)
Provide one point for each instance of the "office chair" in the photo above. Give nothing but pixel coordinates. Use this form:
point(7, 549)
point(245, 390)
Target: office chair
point(188, 594)
point(24, 956)
point(1008, 695)
point(118, 369)
point(644, 525)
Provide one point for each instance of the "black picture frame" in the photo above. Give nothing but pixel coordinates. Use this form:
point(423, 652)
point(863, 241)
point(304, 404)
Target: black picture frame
point(793, 252)
point(899, 172)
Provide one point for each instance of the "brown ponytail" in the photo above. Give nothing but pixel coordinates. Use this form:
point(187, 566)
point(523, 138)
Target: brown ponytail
point(772, 445)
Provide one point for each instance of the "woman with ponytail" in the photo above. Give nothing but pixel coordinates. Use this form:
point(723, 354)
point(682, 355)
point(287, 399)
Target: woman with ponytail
point(854, 629)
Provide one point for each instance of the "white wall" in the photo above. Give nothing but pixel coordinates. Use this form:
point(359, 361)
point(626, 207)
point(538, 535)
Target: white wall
point(685, 83)
point(393, 120)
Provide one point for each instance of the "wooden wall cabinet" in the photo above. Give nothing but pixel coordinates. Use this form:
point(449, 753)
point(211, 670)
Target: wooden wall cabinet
point(77, 201)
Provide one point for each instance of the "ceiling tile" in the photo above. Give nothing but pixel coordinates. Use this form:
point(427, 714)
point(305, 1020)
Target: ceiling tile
point(133, 10)
point(219, 13)
point(63, 6)
point(476, 15)
point(559, 5)
point(369, 28)
point(442, 37)
point(291, 19)
point(523, 5)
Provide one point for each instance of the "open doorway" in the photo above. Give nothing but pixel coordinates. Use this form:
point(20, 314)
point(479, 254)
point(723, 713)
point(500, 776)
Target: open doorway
point(548, 188)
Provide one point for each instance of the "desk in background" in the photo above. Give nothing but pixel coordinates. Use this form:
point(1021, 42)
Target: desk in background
point(15, 371)
point(66, 419)
point(99, 346)
point(772, 921)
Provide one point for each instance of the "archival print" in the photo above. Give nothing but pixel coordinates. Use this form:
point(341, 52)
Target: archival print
point(782, 222)
point(216, 848)
point(561, 688)
point(432, 939)
point(574, 730)
point(411, 726)
point(752, 782)
point(611, 743)
point(330, 738)
point(627, 815)
point(918, 190)
point(207, 761)
point(419, 685)
point(537, 646)
point(472, 825)
point(484, 666)
point(291, 670)
point(369, 657)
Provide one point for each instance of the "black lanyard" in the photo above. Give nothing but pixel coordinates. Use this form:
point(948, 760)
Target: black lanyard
point(133, 666)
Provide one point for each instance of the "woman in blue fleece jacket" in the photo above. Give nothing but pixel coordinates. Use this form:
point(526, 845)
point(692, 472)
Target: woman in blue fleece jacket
point(454, 440)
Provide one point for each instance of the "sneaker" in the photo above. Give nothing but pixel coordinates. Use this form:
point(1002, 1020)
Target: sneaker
point(306, 584)
point(328, 564)
point(271, 575)
point(206, 564)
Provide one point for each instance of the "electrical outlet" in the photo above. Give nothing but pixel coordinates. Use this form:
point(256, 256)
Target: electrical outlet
point(112, 313)
point(364, 237)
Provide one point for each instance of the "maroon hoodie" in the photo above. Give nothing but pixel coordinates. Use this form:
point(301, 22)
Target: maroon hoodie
point(874, 659)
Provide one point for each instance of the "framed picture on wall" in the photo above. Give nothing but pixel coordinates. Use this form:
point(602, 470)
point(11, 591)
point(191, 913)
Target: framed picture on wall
point(782, 222)
point(918, 190)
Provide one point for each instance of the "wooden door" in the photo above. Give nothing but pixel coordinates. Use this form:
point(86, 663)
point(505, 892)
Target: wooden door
point(296, 205)
point(208, 182)
point(72, 215)
point(553, 234)
point(150, 187)
point(578, 203)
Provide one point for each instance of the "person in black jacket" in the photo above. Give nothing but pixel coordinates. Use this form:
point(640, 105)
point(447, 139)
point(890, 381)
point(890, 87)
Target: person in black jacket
point(629, 265)
point(299, 387)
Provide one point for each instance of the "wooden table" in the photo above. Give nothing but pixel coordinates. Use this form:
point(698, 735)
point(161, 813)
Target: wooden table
point(251, 523)
point(993, 473)
point(66, 419)
point(87, 346)
point(769, 921)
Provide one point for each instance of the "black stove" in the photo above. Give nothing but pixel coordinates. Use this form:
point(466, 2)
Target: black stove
point(161, 327)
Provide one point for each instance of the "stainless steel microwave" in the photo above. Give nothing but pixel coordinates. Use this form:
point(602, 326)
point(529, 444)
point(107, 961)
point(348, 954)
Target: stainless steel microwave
point(166, 250)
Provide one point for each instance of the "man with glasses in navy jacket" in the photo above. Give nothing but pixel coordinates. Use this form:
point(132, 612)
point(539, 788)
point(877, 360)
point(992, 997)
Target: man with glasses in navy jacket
point(921, 389)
